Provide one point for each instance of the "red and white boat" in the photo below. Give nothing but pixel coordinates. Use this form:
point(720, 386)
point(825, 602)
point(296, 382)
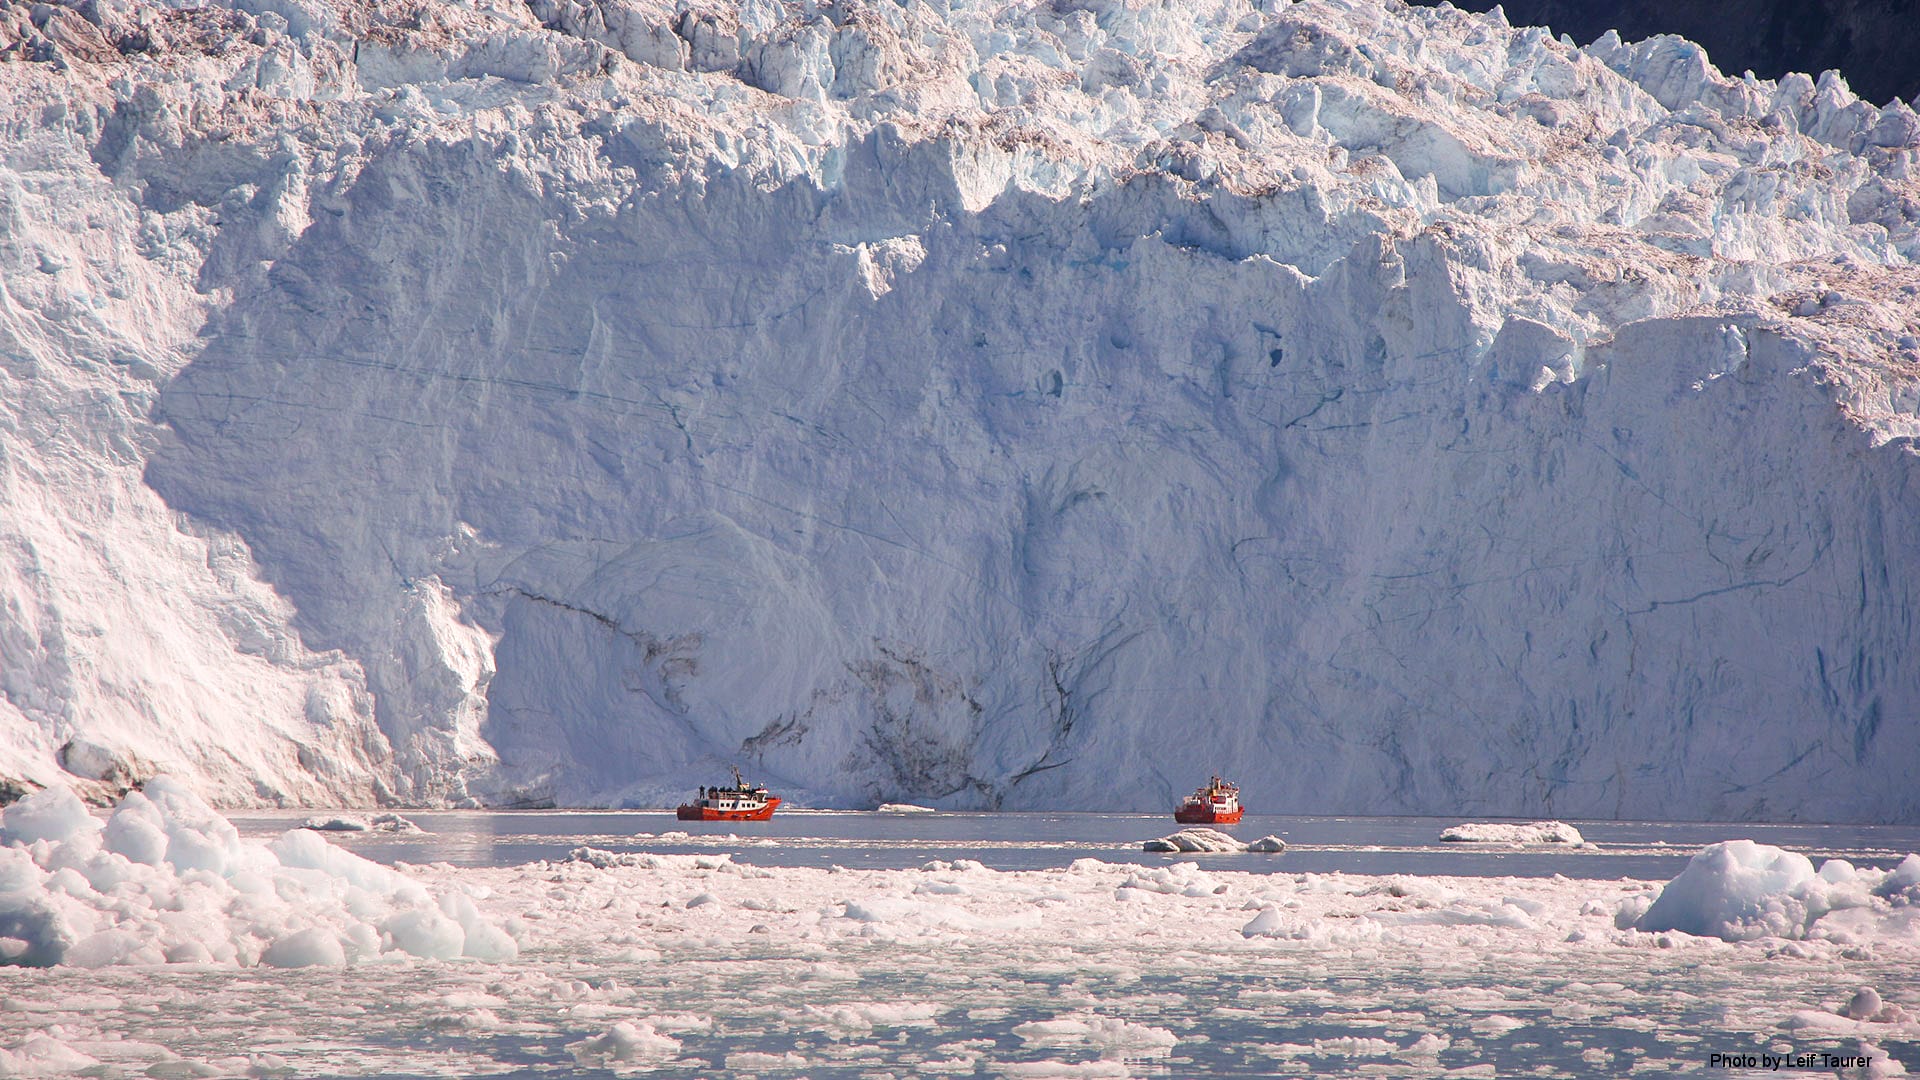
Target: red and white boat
point(741, 802)
point(1216, 803)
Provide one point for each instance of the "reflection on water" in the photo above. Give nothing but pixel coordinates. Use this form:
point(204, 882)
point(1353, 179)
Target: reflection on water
point(1034, 841)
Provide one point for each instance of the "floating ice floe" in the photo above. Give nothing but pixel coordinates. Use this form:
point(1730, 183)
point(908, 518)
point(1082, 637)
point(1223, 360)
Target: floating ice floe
point(168, 880)
point(43, 1055)
point(1740, 890)
point(1867, 1007)
point(625, 1044)
point(1864, 1009)
point(392, 823)
point(1537, 832)
point(903, 808)
point(1110, 1035)
point(1425, 905)
point(1211, 841)
point(602, 859)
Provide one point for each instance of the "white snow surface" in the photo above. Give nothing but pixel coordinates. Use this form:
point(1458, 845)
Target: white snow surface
point(1536, 832)
point(485, 402)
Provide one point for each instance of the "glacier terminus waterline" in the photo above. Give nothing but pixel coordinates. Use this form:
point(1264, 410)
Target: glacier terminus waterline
point(977, 404)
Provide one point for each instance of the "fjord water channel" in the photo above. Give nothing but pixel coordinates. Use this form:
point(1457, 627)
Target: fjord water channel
point(1039, 841)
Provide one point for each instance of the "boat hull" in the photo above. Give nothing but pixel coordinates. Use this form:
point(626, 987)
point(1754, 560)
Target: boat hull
point(1207, 815)
point(696, 812)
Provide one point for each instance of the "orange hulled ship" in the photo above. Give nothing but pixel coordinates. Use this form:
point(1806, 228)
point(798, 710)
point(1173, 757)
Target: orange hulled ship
point(1216, 803)
point(741, 802)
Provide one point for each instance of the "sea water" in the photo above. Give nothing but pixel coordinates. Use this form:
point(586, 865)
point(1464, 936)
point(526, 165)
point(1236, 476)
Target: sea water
point(1038, 841)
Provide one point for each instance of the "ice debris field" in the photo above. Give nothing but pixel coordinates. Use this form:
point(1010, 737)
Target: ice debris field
point(156, 942)
point(986, 404)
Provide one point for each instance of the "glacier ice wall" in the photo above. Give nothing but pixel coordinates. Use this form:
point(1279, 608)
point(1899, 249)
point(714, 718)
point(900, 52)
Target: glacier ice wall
point(1013, 405)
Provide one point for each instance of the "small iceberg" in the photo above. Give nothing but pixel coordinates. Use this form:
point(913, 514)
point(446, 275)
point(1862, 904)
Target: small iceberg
point(390, 823)
point(903, 808)
point(1738, 890)
point(166, 879)
point(1536, 832)
point(1212, 841)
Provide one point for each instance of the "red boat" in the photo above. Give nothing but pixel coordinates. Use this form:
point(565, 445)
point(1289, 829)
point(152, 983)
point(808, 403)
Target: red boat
point(1216, 803)
point(741, 802)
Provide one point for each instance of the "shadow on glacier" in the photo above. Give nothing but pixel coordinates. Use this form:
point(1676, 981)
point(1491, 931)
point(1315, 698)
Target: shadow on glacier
point(609, 477)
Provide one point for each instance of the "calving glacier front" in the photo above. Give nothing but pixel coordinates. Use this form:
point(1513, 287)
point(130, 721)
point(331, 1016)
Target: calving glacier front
point(1016, 405)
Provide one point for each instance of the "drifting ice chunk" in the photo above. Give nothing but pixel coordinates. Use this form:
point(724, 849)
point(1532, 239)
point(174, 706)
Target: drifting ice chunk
point(1902, 883)
point(166, 823)
point(305, 851)
point(903, 808)
point(392, 823)
point(1331, 933)
point(170, 881)
point(1867, 1007)
point(1208, 841)
point(1538, 832)
point(54, 814)
point(602, 859)
point(1198, 840)
point(1462, 912)
point(1874, 1063)
point(1105, 1032)
point(1737, 890)
point(425, 932)
point(312, 947)
point(42, 1055)
point(625, 1043)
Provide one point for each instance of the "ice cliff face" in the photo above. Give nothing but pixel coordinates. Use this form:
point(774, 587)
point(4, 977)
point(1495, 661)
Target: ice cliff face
point(1006, 405)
